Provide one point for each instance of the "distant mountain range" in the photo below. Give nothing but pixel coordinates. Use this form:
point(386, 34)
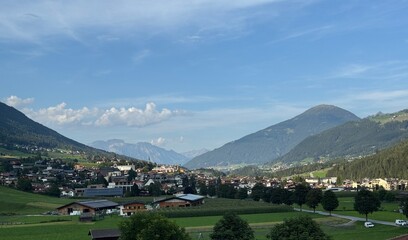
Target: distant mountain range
point(274, 141)
point(18, 129)
point(194, 153)
point(352, 139)
point(143, 150)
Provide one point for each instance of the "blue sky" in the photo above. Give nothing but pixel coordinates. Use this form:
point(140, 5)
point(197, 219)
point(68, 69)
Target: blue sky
point(188, 75)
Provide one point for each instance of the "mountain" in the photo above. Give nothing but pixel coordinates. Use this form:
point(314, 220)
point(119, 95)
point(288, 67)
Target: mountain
point(388, 163)
point(194, 153)
point(142, 150)
point(352, 139)
point(18, 129)
point(274, 141)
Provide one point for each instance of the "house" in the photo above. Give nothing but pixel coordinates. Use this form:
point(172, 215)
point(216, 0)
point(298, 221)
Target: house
point(92, 207)
point(180, 200)
point(130, 208)
point(104, 234)
point(125, 168)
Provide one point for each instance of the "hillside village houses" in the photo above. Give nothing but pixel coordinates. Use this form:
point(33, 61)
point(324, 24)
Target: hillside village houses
point(76, 180)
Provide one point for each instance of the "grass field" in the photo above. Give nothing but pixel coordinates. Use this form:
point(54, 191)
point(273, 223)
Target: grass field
point(24, 227)
point(261, 223)
point(17, 202)
point(389, 210)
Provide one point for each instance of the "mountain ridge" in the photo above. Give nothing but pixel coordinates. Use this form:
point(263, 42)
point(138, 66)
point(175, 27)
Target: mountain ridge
point(352, 139)
point(142, 150)
point(17, 129)
point(274, 141)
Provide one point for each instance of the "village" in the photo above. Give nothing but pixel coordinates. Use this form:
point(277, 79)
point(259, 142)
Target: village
point(123, 179)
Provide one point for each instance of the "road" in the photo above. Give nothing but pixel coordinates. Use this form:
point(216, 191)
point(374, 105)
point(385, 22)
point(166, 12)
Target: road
point(351, 218)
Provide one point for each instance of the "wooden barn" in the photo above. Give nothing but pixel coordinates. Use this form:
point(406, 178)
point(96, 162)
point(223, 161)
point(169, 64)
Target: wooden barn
point(130, 208)
point(87, 207)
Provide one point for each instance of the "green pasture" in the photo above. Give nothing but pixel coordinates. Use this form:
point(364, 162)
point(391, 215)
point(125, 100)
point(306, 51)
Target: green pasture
point(388, 212)
point(18, 202)
point(71, 228)
point(17, 224)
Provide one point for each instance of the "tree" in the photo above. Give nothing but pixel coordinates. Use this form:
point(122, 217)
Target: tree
point(151, 226)
point(226, 191)
point(193, 184)
point(257, 191)
point(212, 191)
point(53, 190)
point(24, 184)
point(155, 189)
point(134, 190)
point(313, 198)
point(366, 202)
point(404, 206)
point(299, 228)
point(267, 194)
point(329, 201)
point(242, 193)
point(286, 197)
point(389, 196)
point(131, 175)
point(381, 193)
point(299, 195)
point(203, 189)
point(188, 190)
point(276, 197)
point(232, 227)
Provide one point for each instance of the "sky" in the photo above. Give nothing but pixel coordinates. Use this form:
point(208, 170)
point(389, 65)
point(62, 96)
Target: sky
point(187, 75)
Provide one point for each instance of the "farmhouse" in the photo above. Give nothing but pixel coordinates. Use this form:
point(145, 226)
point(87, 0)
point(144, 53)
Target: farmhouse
point(180, 200)
point(131, 208)
point(87, 207)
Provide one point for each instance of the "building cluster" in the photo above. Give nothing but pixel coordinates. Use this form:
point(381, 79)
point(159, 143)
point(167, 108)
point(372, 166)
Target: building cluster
point(90, 209)
point(76, 180)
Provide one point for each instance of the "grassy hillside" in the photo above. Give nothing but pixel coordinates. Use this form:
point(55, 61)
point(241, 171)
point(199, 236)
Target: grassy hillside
point(391, 162)
point(17, 202)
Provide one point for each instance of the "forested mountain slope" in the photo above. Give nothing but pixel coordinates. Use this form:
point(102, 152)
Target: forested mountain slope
point(388, 163)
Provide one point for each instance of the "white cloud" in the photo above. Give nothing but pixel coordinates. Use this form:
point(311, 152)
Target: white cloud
point(136, 117)
point(353, 70)
point(61, 115)
point(140, 56)
point(33, 21)
point(17, 102)
point(316, 32)
point(383, 95)
point(159, 141)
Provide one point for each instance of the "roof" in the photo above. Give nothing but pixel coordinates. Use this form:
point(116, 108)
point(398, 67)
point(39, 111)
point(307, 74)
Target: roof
point(185, 197)
point(93, 192)
point(104, 233)
point(132, 202)
point(96, 204)
point(190, 197)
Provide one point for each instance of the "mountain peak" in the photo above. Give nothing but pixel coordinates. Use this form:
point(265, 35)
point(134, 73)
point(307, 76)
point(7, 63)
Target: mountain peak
point(276, 140)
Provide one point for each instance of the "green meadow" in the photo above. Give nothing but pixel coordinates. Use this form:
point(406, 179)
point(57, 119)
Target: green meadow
point(20, 219)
